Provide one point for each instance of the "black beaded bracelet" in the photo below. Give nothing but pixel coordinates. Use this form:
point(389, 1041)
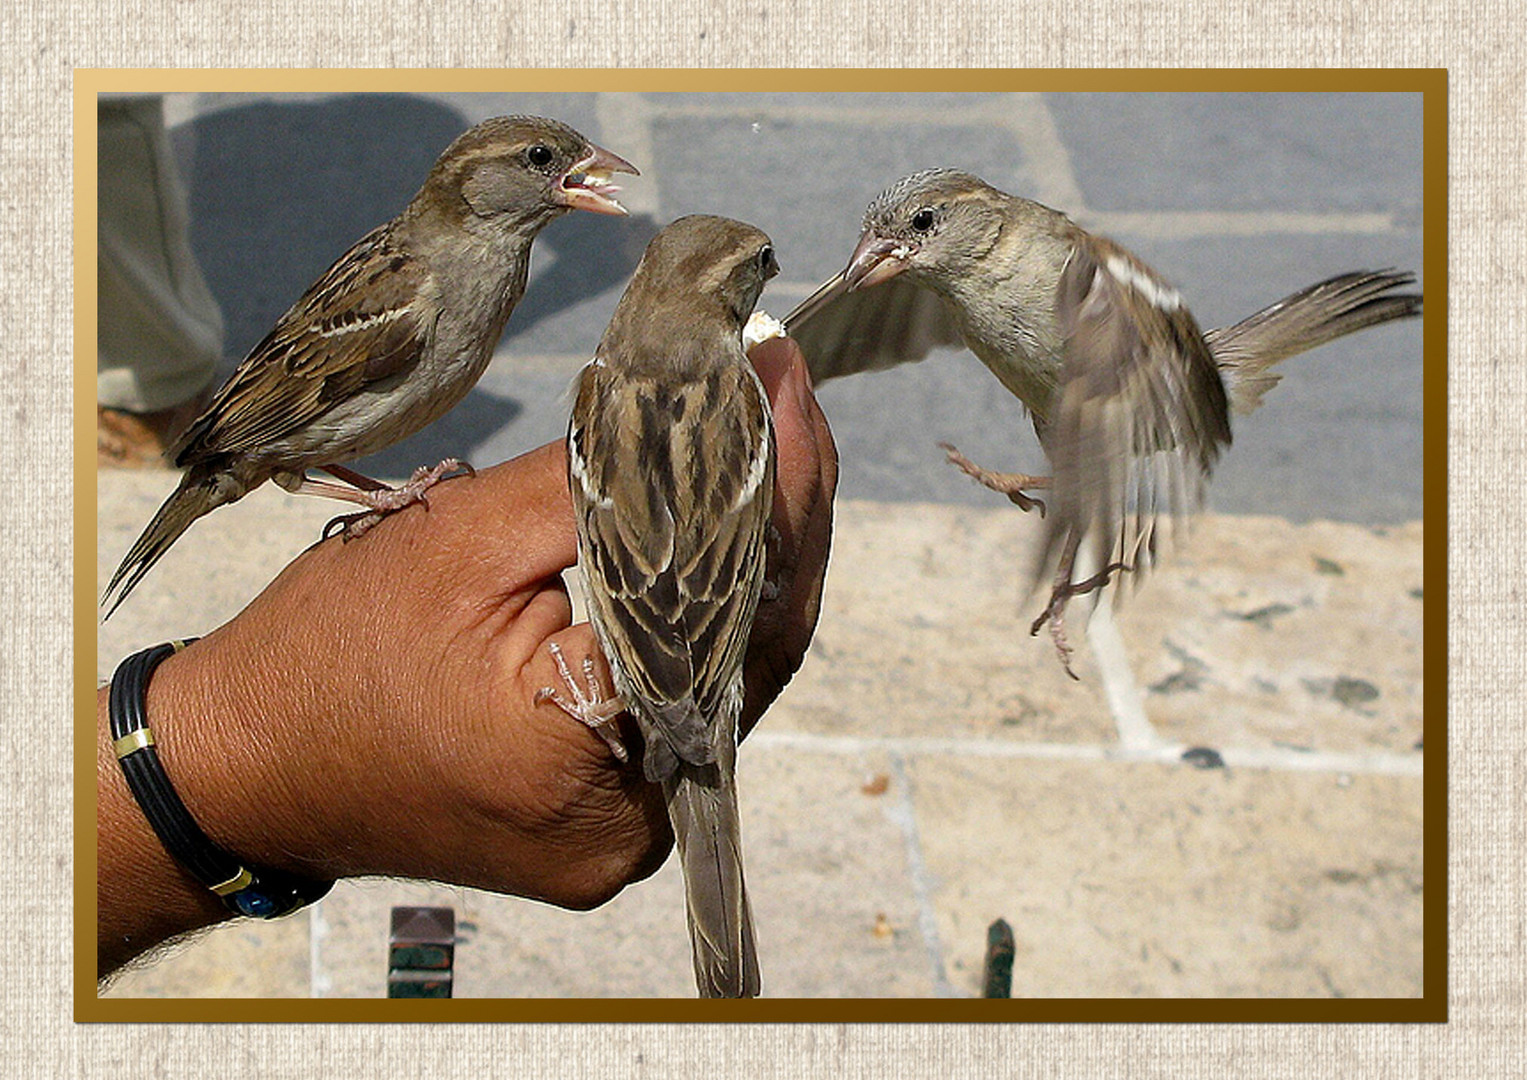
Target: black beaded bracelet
point(245, 890)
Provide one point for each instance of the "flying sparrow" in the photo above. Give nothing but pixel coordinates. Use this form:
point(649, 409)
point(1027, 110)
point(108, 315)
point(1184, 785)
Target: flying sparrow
point(671, 462)
point(390, 337)
point(1130, 400)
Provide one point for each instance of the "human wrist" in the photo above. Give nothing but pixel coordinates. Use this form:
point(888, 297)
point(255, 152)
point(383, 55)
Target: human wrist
point(143, 896)
point(226, 754)
point(177, 846)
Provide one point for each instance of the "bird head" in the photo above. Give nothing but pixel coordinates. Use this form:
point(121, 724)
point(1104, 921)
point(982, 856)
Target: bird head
point(693, 290)
point(723, 263)
point(925, 223)
point(519, 168)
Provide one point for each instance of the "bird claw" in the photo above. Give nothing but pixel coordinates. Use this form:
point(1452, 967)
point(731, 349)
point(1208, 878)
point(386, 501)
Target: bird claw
point(448, 469)
point(1009, 484)
point(590, 708)
point(351, 526)
point(423, 478)
point(1055, 614)
point(1026, 502)
point(1055, 611)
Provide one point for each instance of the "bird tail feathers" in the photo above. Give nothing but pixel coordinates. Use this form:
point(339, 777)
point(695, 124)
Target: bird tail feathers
point(1331, 309)
point(199, 493)
point(702, 804)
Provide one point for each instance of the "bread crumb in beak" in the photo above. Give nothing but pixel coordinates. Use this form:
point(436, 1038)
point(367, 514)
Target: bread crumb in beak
point(761, 326)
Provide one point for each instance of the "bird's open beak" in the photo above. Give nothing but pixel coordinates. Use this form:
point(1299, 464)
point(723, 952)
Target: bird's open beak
point(876, 259)
point(586, 186)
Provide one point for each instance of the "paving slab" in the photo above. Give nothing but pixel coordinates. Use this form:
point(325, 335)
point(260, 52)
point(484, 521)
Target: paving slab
point(1248, 151)
point(923, 632)
point(833, 911)
point(767, 171)
point(241, 959)
point(1145, 880)
point(1306, 638)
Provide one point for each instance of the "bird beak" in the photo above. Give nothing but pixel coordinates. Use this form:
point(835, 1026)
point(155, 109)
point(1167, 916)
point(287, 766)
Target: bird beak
point(586, 186)
point(876, 259)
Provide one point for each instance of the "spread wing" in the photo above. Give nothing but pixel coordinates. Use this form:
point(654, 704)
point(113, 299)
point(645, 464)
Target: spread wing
point(893, 323)
point(361, 323)
point(671, 526)
point(1141, 413)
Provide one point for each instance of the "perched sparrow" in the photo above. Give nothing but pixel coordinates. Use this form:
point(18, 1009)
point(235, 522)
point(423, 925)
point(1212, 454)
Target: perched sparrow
point(1130, 400)
point(671, 466)
point(392, 336)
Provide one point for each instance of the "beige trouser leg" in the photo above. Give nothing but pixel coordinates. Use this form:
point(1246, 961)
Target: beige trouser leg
point(160, 331)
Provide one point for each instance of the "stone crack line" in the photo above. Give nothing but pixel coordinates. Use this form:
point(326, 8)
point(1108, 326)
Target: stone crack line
point(903, 814)
point(1276, 759)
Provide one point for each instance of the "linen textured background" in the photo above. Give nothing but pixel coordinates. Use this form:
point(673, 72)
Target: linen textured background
point(1486, 55)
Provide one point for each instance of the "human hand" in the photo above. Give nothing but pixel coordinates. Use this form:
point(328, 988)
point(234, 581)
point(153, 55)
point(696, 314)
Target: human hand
point(375, 709)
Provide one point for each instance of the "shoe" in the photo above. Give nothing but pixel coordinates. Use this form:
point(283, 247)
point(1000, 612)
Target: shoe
point(129, 440)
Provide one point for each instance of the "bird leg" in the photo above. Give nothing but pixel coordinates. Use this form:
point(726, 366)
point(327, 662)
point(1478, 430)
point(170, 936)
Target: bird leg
point(360, 481)
point(1062, 592)
point(379, 499)
point(1009, 484)
point(589, 707)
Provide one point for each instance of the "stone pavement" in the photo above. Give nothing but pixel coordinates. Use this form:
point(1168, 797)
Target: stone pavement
point(931, 768)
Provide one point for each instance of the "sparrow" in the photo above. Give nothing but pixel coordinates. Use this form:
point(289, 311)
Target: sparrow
point(671, 460)
point(389, 338)
point(1130, 400)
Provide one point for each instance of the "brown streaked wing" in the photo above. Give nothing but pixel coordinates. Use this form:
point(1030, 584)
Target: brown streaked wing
point(678, 557)
point(355, 326)
point(1141, 413)
point(721, 567)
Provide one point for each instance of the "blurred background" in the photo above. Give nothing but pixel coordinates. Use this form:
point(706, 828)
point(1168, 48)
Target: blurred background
point(931, 770)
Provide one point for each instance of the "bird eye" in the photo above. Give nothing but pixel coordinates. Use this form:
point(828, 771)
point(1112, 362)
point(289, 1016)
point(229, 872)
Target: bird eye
point(766, 261)
point(922, 221)
point(539, 155)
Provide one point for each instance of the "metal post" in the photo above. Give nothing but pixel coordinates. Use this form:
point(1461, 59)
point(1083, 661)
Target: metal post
point(421, 952)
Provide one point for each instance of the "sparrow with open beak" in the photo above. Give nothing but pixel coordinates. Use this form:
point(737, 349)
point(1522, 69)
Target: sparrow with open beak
point(1130, 400)
point(391, 337)
point(671, 462)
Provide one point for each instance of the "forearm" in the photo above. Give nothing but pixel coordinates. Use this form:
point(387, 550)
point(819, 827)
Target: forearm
point(222, 752)
point(143, 897)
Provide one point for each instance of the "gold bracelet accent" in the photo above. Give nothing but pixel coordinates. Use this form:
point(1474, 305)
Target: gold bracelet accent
point(254, 891)
point(132, 742)
point(241, 880)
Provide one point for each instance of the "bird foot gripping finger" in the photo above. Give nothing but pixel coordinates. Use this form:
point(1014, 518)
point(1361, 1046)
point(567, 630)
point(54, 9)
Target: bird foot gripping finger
point(587, 706)
point(447, 469)
point(773, 542)
point(413, 490)
point(1009, 484)
point(379, 498)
